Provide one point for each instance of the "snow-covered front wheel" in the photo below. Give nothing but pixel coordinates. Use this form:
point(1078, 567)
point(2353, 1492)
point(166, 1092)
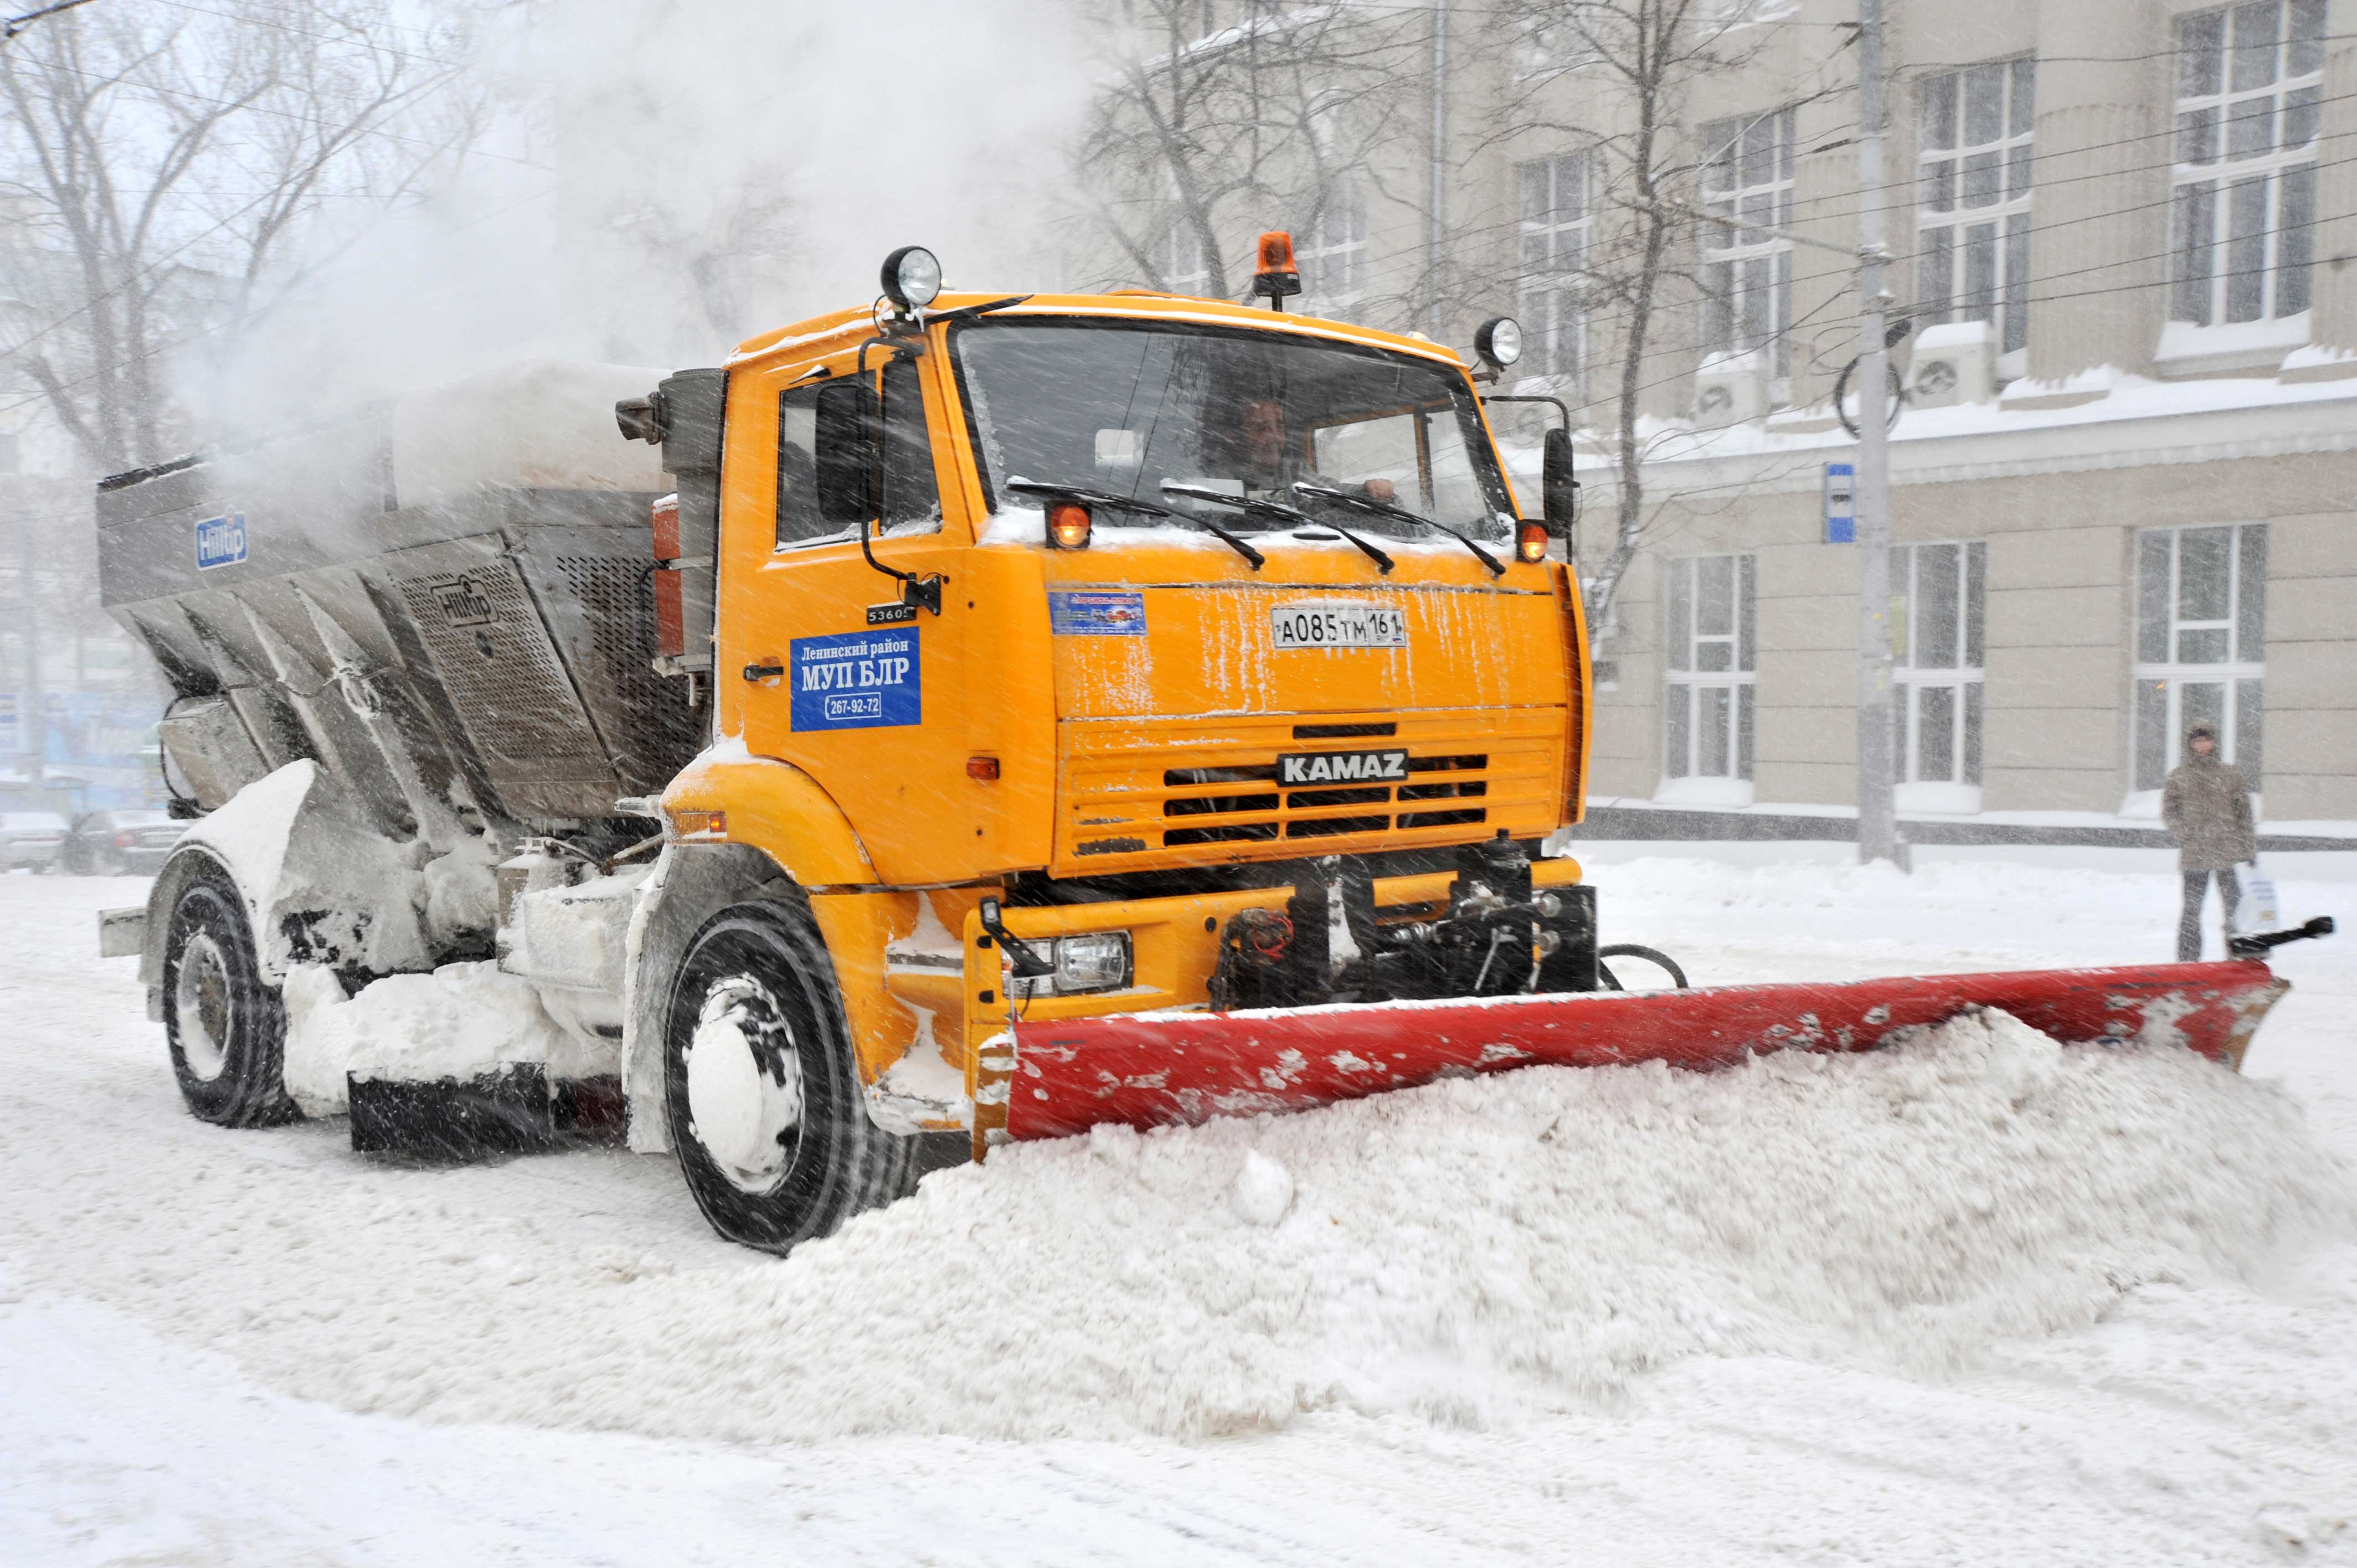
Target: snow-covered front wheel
point(760, 1087)
point(226, 1029)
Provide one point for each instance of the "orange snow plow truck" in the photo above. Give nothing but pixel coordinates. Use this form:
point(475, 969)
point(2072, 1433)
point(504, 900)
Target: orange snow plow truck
point(1010, 715)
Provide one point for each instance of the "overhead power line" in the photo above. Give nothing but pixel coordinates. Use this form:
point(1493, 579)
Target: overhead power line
point(16, 24)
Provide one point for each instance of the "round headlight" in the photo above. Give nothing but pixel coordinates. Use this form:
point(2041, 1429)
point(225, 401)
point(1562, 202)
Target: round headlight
point(911, 277)
point(1499, 340)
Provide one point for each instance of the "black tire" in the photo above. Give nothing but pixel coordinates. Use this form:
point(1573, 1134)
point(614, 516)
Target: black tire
point(226, 1029)
point(762, 1180)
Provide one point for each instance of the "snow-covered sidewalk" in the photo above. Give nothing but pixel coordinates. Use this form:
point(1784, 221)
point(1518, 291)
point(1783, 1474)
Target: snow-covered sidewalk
point(1997, 1301)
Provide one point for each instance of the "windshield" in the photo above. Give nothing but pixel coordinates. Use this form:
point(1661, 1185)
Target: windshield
point(1126, 408)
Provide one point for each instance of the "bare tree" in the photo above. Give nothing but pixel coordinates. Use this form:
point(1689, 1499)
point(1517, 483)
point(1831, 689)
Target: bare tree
point(1637, 69)
point(170, 172)
point(1207, 133)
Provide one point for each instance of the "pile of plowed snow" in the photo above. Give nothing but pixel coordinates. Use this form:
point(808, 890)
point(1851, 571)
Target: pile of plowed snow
point(1473, 1251)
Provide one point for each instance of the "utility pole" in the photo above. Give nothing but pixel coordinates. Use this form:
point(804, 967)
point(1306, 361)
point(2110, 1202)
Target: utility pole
point(1878, 817)
point(1436, 228)
point(33, 721)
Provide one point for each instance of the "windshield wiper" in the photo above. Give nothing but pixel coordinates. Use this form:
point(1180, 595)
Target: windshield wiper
point(1143, 508)
point(1292, 517)
point(1384, 509)
point(968, 312)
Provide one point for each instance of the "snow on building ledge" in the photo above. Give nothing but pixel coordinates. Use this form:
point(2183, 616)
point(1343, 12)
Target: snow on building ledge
point(2102, 418)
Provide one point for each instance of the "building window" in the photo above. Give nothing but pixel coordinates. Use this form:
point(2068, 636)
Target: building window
point(1333, 261)
point(2249, 87)
point(1545, 46)
point(1555, 249)
point(1972, 224)
point(1707, 704)
point(1747, 176)
point(1181, 258)
point(2200, 645)
point(1938, 592)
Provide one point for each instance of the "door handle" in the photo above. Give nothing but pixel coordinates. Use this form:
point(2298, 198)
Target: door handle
point(764, 672)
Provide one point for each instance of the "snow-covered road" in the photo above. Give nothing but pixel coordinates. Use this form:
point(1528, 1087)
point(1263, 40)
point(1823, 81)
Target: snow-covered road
point(254, 1348)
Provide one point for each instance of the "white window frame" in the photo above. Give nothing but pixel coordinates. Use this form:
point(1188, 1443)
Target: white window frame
point(1179, 255)
point(1955, 236)
point(1748, 306)
point(1333, 261)
point(1541, 50)
point(1913, 681)
point(2206, 256)
point(1557, 215)
point(1689, 691)
point(2158, 687)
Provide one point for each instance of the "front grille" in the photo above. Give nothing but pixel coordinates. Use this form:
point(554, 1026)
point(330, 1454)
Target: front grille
point(1131, 790)
point(1235, 832)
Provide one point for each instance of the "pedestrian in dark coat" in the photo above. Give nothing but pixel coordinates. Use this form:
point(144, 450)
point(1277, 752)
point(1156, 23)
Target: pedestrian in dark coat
point(2207, 807)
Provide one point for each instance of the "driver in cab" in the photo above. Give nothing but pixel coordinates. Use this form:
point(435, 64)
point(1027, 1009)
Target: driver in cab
point(1270, 465)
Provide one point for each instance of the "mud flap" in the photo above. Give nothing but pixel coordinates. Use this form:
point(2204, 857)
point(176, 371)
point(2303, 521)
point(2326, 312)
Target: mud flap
point(451, 1120)
point(512, 1111)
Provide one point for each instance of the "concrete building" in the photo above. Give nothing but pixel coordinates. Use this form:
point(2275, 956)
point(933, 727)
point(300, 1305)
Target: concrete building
point(2123, 230)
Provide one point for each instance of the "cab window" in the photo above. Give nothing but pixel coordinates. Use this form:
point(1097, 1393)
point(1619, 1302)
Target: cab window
point(913, 498)
point(798, 516)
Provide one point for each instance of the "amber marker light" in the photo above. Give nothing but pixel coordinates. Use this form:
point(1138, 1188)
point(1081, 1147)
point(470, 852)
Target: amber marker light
point(1278, 277)
point(699, 824)
point(1531, 542)
point(983, 767)
point(1068, 525)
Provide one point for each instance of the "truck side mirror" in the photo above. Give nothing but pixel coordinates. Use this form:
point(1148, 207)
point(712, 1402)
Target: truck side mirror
point(848, 423)
point(1558, 491)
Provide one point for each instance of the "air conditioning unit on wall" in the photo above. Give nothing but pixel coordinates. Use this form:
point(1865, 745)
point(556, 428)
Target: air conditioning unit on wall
point(1955, 362)
point(1730, 388)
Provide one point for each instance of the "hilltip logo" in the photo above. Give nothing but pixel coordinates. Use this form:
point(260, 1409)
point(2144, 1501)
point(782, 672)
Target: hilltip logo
point(463, 604)
point(220, 540)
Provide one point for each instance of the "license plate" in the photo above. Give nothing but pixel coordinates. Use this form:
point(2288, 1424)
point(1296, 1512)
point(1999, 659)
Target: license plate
point(1337, 624)
point(1299, 768)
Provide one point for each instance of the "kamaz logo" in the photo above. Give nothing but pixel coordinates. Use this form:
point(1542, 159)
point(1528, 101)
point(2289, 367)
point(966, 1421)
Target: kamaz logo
point(220, 540)
point(461, 606)
point(1341, 767)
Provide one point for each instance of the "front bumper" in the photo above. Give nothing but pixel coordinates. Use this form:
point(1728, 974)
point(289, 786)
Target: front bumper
point(1176, 941)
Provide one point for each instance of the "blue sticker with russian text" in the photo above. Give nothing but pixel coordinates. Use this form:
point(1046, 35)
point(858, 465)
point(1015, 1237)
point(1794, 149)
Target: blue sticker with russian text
point(860, 680)
point(1096, 612)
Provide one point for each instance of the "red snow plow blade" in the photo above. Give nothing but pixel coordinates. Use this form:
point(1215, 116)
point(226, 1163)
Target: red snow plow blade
point(1159, 1069)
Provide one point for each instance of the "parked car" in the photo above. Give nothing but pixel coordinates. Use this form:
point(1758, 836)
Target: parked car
point(120, 841)
point(31, 841)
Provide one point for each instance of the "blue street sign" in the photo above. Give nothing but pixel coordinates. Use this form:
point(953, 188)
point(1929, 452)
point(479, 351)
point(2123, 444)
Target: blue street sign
point(1841, 503)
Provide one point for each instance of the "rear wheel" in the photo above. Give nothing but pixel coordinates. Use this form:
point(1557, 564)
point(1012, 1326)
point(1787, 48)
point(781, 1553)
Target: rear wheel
point(226, 1029)
point(761, 1089)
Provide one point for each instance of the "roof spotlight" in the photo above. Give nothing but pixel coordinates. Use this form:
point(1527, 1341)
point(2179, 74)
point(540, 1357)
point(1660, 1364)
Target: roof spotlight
point(1499, 340)
point(911, 278)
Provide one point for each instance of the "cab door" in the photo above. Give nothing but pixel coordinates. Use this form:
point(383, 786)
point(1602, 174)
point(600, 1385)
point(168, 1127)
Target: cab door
point(836, 672)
